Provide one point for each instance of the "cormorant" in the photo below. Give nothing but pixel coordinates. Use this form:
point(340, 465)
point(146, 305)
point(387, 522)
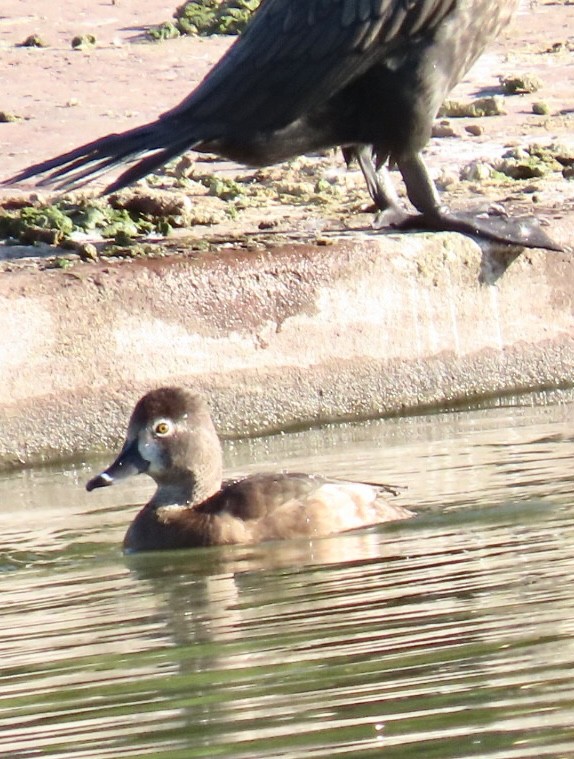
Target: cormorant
point(306, 75)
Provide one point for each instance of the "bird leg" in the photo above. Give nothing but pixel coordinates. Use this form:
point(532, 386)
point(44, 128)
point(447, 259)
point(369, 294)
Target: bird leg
point(524, 231)
point(379, 185)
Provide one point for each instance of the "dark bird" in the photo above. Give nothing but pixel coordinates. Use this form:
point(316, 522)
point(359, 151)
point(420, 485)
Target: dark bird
point(307, 75)
point(171, 437)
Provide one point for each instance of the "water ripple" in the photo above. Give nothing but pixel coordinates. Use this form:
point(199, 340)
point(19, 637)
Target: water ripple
point(448, 636)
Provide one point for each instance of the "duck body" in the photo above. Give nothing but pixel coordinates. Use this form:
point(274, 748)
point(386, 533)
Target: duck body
point(262, 507)
point(171, 437)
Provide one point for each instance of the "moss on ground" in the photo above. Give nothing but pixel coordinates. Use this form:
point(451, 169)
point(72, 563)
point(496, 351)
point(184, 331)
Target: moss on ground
point(83, 41)
point(522, 163)
point(119, 220)
point(186, 194)
point(519, 84)
point(206, 17)
point(7, 117)
point(33, 40)
point(477, 108)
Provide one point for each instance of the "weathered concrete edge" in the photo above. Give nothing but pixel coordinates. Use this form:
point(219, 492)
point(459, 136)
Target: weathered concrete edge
point(367, 326)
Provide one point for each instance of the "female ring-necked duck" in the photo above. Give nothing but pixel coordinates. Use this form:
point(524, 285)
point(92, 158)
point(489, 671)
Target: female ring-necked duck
point(171, 437)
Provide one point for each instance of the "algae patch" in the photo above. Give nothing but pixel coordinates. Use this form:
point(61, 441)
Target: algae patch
point(531, 162)
point(30, 224)
point(220, 187)
point(166, 31)
point(522, 163)
point(206, 17)
point(478, 108)
point(7, 117)
point(520, 84)
point(305, 180)
point(33, 40)
point(67, 222)
point(83, 42)
point(540, 108)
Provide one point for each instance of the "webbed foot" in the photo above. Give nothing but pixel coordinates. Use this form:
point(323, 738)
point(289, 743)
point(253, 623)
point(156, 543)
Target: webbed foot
point(524, 231)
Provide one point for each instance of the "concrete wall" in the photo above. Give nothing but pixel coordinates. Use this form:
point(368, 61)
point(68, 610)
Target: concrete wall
point(294, 335)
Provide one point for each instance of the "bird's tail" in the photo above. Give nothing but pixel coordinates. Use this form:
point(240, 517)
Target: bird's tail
point(77, 167)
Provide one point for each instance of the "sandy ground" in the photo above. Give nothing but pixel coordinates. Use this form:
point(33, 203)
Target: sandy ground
point(66, 97)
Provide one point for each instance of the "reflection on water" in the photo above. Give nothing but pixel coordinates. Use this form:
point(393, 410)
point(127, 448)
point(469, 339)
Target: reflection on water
point(449, 635)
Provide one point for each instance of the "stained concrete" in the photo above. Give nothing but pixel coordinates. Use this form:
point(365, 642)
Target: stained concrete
point(297, 334)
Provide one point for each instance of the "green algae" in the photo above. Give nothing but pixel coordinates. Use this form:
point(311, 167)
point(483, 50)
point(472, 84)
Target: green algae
point(477, 108)
point(206, 17)
point(7, 117)
point(58, 223)
point(220, 187)
point(166, 31)
point(521, 163)
point(83, 41)
point(295, 182)
point(519, 84)
point(32, 224)
point(530, 162)
point(540, 108)
point(33, 40)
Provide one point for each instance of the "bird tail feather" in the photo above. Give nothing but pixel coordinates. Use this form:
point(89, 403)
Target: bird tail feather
point(79, 166)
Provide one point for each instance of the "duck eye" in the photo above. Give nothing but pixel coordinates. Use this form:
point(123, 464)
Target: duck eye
point(162, 428)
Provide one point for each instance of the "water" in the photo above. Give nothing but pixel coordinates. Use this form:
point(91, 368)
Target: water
point(449, 635)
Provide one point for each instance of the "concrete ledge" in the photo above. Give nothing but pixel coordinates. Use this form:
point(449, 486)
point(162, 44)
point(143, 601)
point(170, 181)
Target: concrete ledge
point(294, 335)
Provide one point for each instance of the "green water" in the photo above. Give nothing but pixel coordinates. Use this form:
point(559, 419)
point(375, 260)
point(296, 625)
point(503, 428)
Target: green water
point(447, 636)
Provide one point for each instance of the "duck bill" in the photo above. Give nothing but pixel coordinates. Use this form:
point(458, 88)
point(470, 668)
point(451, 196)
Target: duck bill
point(128, 463)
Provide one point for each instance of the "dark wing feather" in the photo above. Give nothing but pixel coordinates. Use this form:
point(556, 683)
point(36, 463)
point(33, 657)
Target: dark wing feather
point(293, 55)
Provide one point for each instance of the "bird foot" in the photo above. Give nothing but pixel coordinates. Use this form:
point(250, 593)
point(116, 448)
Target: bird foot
point(392, 216)
point(524, 232)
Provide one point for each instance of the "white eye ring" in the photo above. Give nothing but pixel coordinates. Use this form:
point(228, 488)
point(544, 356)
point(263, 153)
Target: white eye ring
point(162, 427)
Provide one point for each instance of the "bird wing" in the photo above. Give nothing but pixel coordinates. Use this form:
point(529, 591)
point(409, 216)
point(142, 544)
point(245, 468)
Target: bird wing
point(297, 53)
point(293, 55)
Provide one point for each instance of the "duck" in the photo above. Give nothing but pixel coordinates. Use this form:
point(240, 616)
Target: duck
point(172, 438)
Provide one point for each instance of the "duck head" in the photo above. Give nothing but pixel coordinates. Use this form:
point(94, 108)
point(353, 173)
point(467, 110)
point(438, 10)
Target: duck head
point(171, 438)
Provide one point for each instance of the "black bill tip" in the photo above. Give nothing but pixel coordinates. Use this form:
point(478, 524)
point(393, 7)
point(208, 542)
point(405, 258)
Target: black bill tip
point(99, 481)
